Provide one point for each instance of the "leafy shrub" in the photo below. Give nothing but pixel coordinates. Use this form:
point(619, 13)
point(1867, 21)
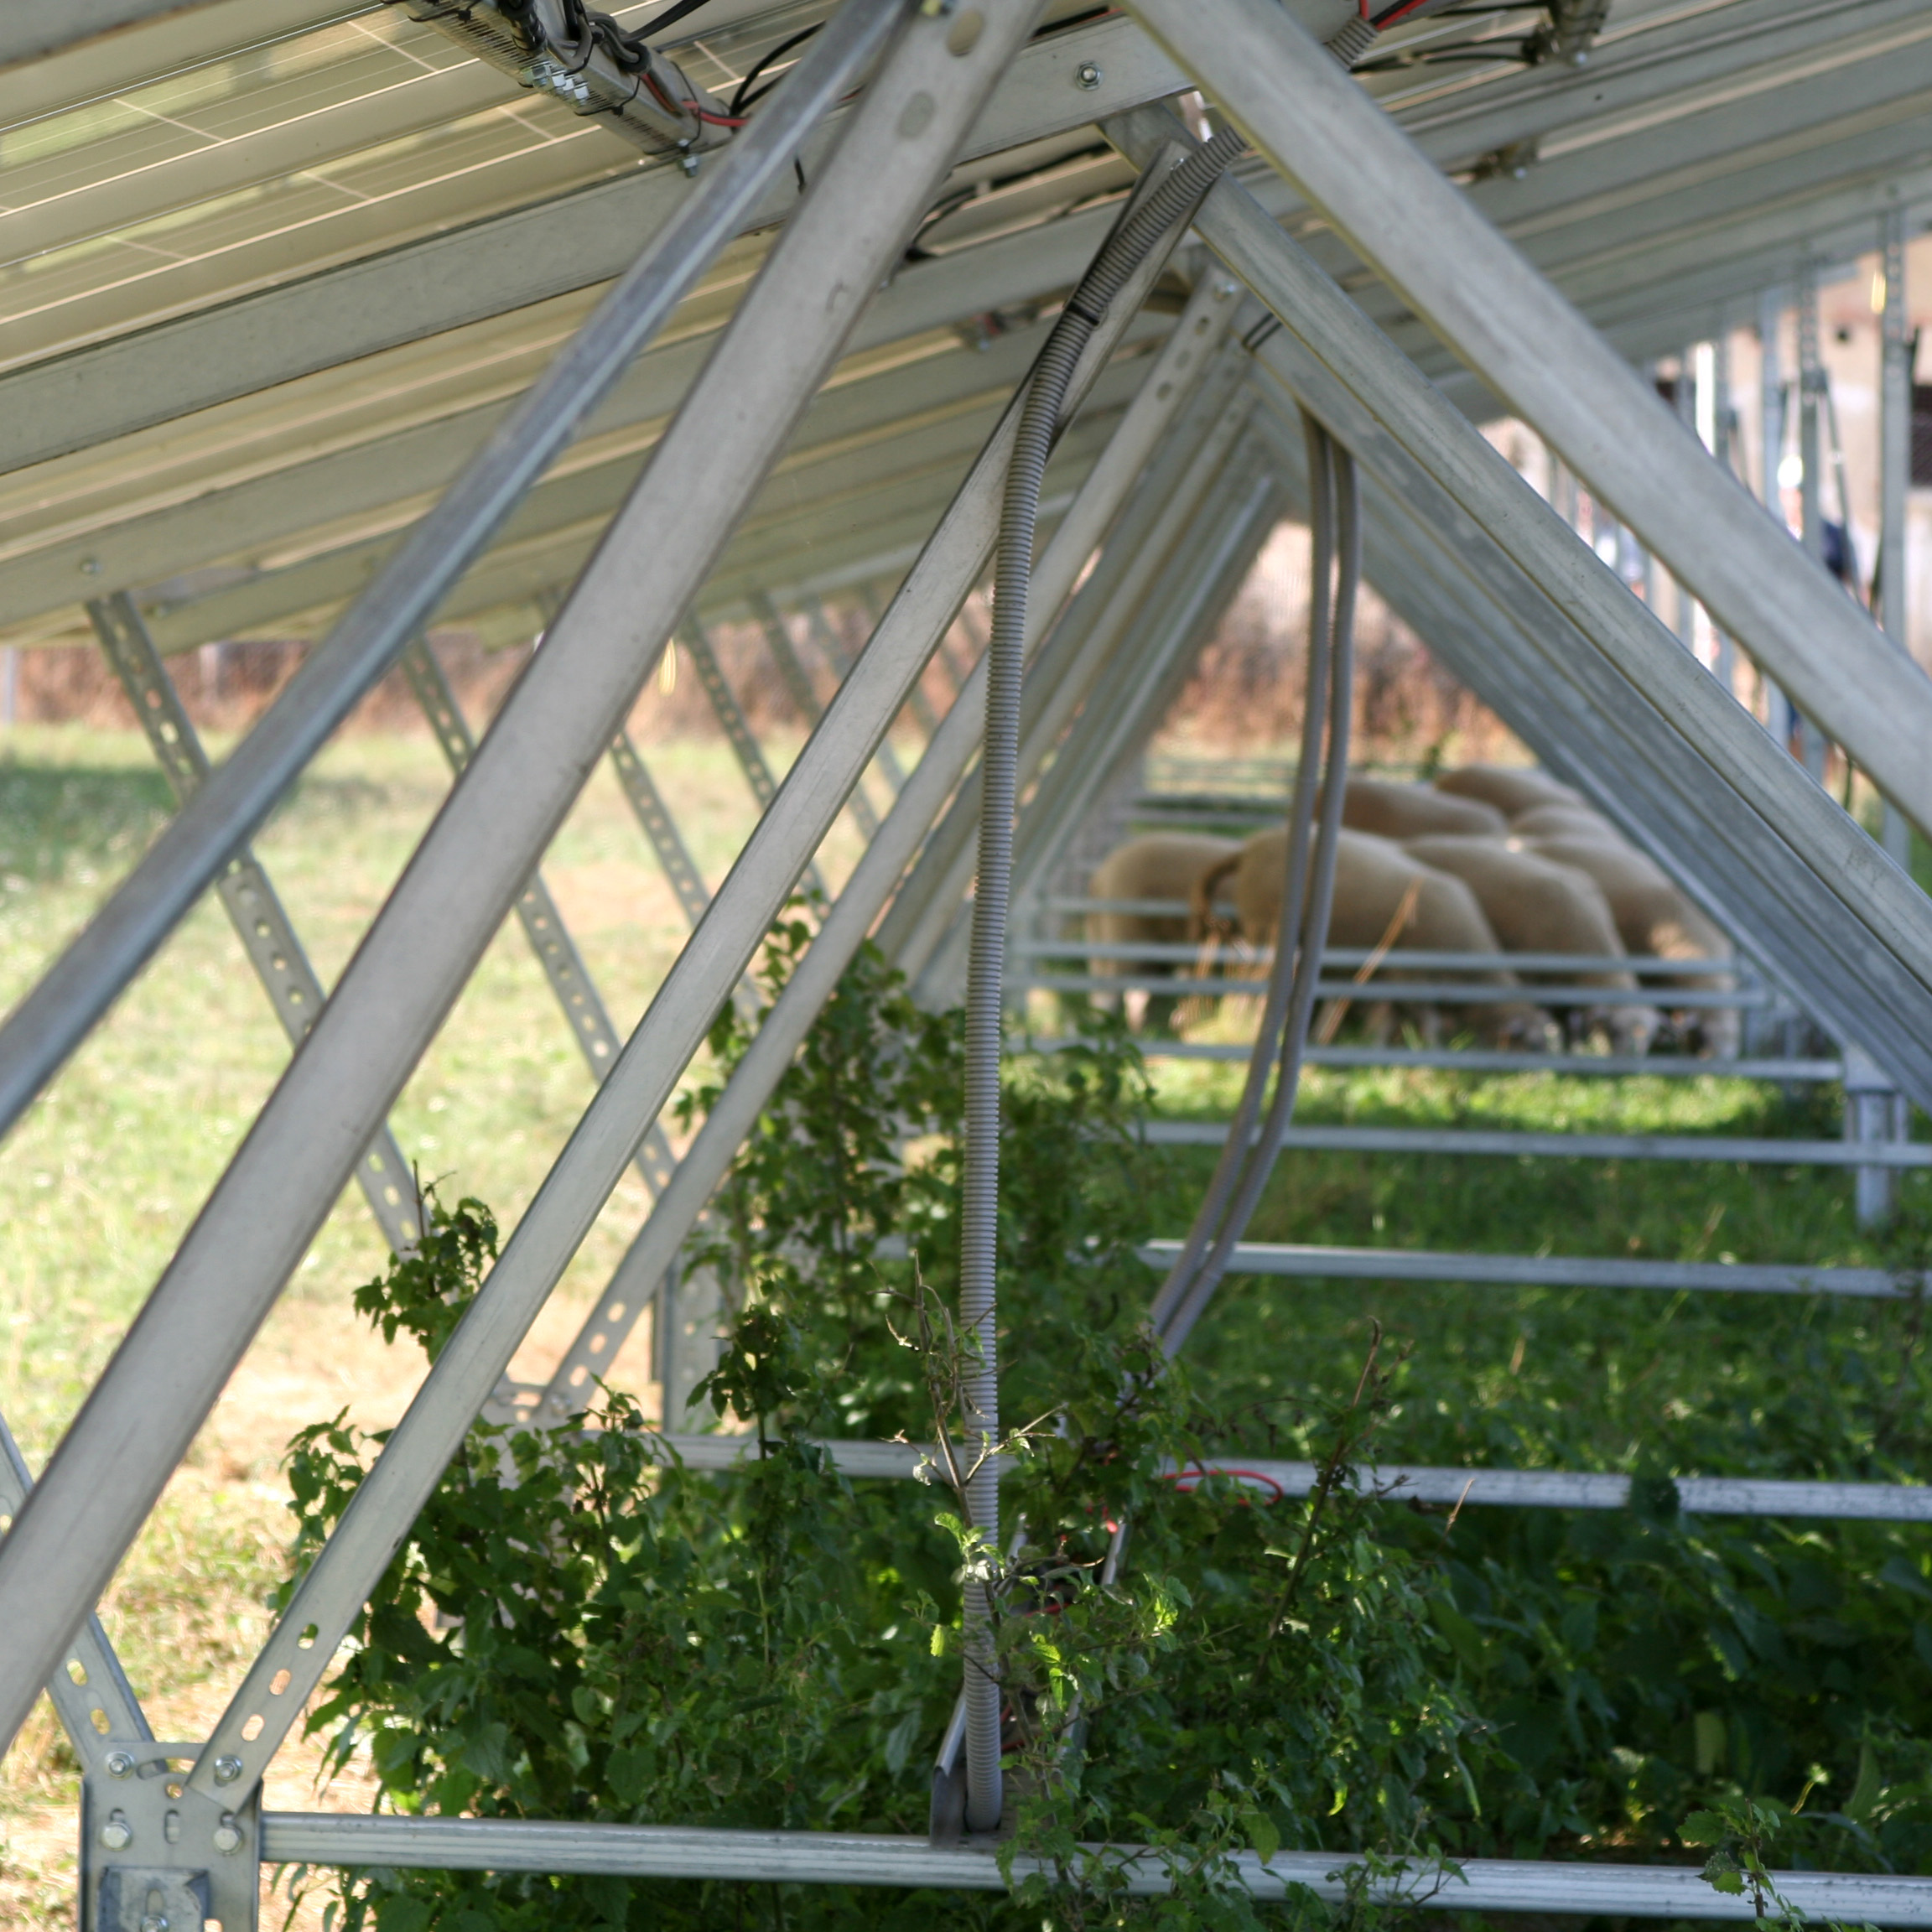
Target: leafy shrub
point(578, 1628)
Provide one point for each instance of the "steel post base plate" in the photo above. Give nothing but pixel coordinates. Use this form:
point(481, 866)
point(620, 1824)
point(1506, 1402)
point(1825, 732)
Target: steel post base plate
point(155, 1857)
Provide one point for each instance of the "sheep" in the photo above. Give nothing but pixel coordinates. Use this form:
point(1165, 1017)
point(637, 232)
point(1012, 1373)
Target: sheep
point(1383, 898)
point(1538, 906)
point(1564, 822)
point(1409, 811)
point(1655, 919)
point(1161, 865)
point(1510, 789)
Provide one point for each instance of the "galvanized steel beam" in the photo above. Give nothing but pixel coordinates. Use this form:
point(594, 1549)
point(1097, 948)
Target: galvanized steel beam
point(103, 1479)
point(254, 908)
point(191, 850)
point(1091, 519)
point(842, 1858)
point(1543, 359)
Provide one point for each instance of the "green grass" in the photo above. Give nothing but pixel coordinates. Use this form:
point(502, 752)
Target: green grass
point(1705, 1383)
point(104, 1175)
point(101, 1180)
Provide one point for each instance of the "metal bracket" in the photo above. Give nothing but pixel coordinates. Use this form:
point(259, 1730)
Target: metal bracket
point(533, 46)
point(1875, 1111)
point(157, 1857)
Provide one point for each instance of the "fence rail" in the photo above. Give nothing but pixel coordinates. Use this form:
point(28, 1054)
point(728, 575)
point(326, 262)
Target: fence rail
point(1402, 1482)
point(1309, 1261)
point(1486, 1060)
point(1456, 992)
point(1563, 1146)
point(1181, 953)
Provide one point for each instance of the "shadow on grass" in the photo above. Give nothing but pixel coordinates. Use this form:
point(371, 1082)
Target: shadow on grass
point(54, 818)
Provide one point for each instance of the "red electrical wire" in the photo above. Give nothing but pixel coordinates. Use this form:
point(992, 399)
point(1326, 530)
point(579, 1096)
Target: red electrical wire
point(1193, 1478)
point(1390, 15)
point(718, 120)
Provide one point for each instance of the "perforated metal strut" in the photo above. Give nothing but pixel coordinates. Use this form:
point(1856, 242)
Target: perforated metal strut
point(736, 728)
point(254, 911)
point(654, 815)
point(537, 911)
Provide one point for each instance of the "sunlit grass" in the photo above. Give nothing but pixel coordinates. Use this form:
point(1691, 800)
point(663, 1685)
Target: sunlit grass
point(101, 1180)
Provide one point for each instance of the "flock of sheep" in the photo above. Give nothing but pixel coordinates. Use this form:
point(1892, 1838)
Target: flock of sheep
point(1487, 860)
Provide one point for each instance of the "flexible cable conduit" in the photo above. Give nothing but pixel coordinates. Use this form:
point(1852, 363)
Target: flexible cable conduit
point(1247, 1160)
point(1334, 516)
point(979, 1215)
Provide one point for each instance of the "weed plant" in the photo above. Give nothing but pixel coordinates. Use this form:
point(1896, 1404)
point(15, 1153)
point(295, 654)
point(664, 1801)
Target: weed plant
point(1634, 1676)
point(579, 1628)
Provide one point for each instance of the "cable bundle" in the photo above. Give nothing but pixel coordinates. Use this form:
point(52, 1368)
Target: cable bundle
point(1170, 201)
point(1248, 1158)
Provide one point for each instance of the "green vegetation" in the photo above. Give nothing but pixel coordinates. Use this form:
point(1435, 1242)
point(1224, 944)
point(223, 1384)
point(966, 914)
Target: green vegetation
point(1640, 1684)
point(1256, 1676)
point(1340, 1672)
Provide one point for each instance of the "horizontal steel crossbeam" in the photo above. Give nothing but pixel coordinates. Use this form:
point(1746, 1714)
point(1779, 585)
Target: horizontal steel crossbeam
point(1455, 992)
point(1303, 1261)
point(1481, 1060)
point(1508, 1145)
point(838, 1858)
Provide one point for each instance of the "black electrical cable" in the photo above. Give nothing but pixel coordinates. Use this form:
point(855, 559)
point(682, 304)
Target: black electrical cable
point(1402, 10)
point(672, 15)
point(743, 98)
point(954, 200)
point(1424, 57)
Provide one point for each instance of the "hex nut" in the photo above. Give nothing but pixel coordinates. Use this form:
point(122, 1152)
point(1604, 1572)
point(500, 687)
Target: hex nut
point(1087, 75)
point(227, 1770)
point(120, 1764)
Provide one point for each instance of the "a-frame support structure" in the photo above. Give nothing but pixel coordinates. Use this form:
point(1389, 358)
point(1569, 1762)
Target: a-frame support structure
point(804, 445)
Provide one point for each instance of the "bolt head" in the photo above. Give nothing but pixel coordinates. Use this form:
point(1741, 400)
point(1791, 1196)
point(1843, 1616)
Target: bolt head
point(227, 1834)
point(120, 1764)
point(1580, 57)
point(117, 1834)
point(227, 1770)
point(1087, 75)
point(154, 1922)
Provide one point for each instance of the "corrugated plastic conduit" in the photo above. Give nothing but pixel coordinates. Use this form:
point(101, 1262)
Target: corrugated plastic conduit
point(1040, 422)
